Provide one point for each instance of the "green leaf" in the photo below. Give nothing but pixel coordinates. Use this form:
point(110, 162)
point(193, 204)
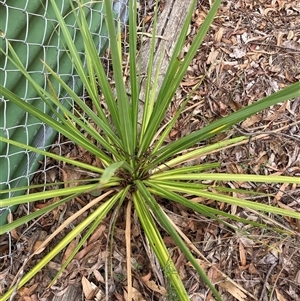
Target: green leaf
point(198, 153)
point(66, 129)
point(134, 78)
point(97, 74)
point(109, 172)
point(90, 231)
point(176, 71)
point(161, 216)
point(224, 123)
point(150, 89)
point(17, 200)
point(158, 245)
point(100, 212)
point(228, 199)
point(226, 177)
point(124, 110)
point(165, 190)
point(25, 219)
point(52, 155)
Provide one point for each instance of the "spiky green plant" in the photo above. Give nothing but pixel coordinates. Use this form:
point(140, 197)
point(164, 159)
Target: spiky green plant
point(139, 169)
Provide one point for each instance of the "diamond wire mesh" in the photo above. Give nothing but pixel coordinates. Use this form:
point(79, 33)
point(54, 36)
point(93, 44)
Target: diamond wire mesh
point(26, 24)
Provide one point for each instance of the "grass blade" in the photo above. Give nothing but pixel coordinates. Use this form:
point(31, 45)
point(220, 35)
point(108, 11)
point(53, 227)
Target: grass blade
point(224, 123)
point(54, 156)
point(161, 216)
point(160, 189)
point(176, 72)
point(134, 79)
point(25, 219)
point(17, 200)
point(101, 211)
point(230, 200)
point(96, 68)
point(226, 177)
point(158, 246)
point(122, 99)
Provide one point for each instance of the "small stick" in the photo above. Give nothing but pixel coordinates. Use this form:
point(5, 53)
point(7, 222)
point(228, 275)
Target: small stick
point(263, 292)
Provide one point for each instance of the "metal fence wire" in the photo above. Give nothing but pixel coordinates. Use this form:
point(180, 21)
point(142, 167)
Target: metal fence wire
point(31, 28)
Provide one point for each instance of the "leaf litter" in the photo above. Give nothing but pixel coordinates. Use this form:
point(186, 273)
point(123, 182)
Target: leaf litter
point(252, 50)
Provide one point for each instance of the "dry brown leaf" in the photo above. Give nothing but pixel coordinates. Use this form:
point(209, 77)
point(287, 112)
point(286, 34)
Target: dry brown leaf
point(219, 34)
point(268, 10)
point(136, 295)
point(72, 245)
point(279, 296)
point(247, 242)
point(214, 274)
point(156, 288)
point(13, 232)
point(118, 297)
point(284, 206)
point(147, 19)
point(279, 36)
point(89, 288)
point(190, 83)
point(37, 246)
point(242, 254)
point(297, 278)
point(94, 246)
point(199, 18)
point(26, 292)
point(252, 269)
point(72, 174)
point(233, 290)
point(146, 277)
point(26, 298)
point(98, 276)
point(280, 192)
point(97, 234)
point(275, 69)
point(251, 120)
point(212, 56)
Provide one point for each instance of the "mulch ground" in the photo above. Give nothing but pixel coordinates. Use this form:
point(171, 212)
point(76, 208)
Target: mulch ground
point(251, 51)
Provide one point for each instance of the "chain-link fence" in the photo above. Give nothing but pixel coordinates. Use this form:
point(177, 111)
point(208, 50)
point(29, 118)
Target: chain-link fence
point(31, 28)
